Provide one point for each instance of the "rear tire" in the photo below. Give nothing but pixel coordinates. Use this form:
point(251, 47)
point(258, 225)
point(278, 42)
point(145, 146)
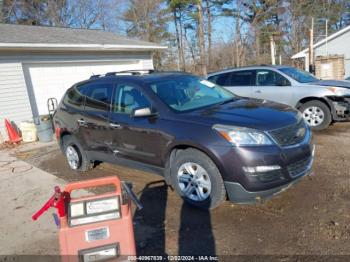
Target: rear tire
point(76, 156)
point(197, 180)
point(316, 114)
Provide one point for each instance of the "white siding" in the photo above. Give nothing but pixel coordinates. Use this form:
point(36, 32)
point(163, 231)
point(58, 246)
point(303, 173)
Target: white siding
point(53, 79)
point(146, 64)
point(14, 102)
point(14, 93)
point(337, 46)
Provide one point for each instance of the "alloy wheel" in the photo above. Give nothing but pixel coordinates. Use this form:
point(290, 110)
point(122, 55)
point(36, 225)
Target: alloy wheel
point(72, 157)
point(194, 181)
point(313, 115)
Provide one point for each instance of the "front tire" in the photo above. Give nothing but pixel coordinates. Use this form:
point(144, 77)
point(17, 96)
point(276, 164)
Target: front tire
point(197, 180)
point(316, 114)
point(76, 156)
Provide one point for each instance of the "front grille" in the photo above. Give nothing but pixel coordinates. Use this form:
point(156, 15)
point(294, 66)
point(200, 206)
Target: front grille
point(298, 167)
point(270, 176)
point(289, 135)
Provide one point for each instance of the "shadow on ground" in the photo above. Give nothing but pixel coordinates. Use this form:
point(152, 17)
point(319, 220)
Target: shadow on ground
point(195, 236)
point(312, 217)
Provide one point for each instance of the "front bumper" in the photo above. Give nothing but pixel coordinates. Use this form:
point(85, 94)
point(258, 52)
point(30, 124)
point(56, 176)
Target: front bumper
point(340, 107)
point(238, 194)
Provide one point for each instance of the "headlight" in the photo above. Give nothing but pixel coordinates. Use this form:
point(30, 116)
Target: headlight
point(338, 91)
point(241, 136)
point(299, 116)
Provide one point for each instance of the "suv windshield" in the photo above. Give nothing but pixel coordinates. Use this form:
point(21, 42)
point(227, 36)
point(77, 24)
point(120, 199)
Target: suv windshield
point(189, 92)
point(299, 75)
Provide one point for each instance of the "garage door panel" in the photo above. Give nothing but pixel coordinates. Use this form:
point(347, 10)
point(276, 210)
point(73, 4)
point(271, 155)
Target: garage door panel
point(52, 80)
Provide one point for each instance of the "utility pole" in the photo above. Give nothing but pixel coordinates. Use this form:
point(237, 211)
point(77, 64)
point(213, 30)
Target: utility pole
point(311, 47)
point(327, 37)
point(272, 45)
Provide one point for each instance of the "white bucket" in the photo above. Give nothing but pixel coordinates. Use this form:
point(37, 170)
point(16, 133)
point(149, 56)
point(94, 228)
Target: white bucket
point(28, 130)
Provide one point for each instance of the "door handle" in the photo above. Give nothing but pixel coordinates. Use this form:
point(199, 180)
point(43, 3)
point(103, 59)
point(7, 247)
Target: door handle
point(81, 122)
point(113, 125)
point(258, 91)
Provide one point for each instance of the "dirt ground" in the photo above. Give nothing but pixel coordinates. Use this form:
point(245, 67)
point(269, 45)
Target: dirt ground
point(311, 218)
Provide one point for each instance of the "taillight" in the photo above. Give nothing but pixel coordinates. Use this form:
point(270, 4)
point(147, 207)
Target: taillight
point(57, 131)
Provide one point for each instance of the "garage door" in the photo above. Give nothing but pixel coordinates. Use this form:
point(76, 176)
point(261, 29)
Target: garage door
point(52, 80)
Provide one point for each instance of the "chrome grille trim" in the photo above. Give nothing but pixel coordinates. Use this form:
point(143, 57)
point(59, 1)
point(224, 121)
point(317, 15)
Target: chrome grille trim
point(288, 136)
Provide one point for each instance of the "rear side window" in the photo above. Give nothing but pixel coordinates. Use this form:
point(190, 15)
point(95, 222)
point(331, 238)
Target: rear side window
point(270, 78)
point(74, 98)
point(98, 96)
point(236, 78)
point(243, 78)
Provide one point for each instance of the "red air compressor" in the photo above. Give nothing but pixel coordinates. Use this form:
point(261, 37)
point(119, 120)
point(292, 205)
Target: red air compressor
point(94, 228)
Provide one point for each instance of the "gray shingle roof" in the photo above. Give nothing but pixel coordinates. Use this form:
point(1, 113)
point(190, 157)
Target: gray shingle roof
point(24, 34)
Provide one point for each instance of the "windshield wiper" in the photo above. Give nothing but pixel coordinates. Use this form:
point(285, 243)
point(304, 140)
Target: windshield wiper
point(227, 101)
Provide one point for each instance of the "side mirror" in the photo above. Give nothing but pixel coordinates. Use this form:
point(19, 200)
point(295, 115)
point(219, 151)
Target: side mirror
point(142, 112)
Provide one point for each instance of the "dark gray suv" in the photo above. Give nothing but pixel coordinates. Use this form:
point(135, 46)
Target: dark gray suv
point(208, 143)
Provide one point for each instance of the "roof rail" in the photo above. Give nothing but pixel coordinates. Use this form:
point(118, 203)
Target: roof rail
point(132, 72)
point(169, 72)
point(94, 76)
point(136, 72)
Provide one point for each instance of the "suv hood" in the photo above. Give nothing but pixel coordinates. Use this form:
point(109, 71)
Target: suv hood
point(246, 112)
point(337, 83)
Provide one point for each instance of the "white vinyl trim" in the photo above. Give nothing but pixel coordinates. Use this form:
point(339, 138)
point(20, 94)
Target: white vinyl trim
point(302, 54)
point(105, 47)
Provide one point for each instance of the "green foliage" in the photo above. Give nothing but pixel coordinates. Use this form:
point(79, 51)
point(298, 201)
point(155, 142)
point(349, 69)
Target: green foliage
point(175, 23)
point(147, 20)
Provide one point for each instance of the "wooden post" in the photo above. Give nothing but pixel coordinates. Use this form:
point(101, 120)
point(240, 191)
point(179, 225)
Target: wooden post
point(326, 37)
point(272, 45)
point(311, 48)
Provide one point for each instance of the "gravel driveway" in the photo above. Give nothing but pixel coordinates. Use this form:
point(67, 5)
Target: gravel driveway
point(311, 218)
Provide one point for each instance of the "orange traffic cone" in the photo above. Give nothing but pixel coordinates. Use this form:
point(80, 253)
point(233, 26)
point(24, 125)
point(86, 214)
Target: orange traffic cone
point(13, 135)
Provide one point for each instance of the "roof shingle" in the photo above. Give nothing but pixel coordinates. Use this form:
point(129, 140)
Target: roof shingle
point(17, 34)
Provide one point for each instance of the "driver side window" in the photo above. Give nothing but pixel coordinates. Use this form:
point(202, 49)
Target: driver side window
point(127, 98)
point(270, 78)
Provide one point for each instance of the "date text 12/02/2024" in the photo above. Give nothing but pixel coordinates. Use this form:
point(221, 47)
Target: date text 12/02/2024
point(173, 258)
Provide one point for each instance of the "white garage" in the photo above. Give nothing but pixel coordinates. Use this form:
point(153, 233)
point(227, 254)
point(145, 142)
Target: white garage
point(37, 63)
point(50, 80)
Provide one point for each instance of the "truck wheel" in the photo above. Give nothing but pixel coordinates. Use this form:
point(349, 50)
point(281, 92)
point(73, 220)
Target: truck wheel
point(76, 157)
point(316, 114)
point(197, 180)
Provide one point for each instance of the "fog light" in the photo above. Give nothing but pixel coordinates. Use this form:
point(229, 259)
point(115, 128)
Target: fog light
point(259, 169)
